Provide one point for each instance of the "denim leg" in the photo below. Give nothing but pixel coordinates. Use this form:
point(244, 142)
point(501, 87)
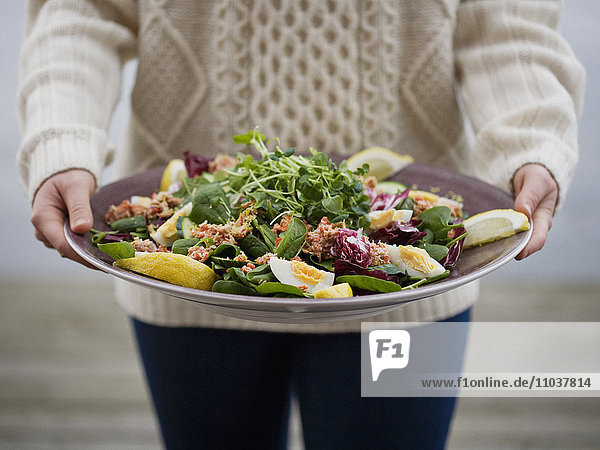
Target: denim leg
point(217, 389)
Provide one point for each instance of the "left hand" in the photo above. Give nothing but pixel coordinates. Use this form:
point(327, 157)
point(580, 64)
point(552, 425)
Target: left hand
point(536, 195)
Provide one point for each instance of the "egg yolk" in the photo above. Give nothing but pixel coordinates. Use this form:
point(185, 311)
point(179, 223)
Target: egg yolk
point(427, 196)
point(417, 259)
point(305, 273)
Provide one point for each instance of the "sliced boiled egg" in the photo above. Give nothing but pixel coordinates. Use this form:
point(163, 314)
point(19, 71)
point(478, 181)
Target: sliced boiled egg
point(381, 219)
point(425, 195)
point(166, 234)
point(435, 199)
point(414, 261)
point(298, 273)
point(141, 200)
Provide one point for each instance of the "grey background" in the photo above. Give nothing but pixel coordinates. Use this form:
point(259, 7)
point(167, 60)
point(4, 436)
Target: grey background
point(570, 255)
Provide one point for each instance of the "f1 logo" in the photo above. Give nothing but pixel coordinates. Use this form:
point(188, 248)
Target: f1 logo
point(389, 349)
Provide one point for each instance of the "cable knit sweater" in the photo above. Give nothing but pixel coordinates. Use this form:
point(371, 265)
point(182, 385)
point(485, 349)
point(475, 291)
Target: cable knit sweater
point(339, 76)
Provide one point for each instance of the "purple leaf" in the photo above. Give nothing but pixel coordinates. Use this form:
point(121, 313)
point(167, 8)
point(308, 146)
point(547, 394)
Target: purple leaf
point(381, 201)
point(350, 245)
point(455, 249)
point(342, 267)
point(195, 164)
point(397, 234)
point(117, 237)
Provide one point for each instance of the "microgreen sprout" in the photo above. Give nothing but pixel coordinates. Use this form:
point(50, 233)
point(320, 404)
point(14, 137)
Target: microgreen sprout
point(308, 187)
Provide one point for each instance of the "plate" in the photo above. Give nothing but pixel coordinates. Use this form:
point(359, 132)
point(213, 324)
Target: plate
point(472, 264)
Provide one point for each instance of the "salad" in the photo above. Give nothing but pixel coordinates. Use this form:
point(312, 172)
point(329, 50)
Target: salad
point(285, 225)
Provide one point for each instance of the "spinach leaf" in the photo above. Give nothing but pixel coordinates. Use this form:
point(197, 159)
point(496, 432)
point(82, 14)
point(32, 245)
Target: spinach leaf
point(223, 256)
point(253, 246)
point(188, 185)
point(390, 269)
point(181, 246)
point(436, 251)
point(210, 204)
point(118, 250)
point(268, 235)
point(271, 288)
point(369, 283)
point(416, 282)
point(326, 264)
point(128, 224)
point(236, 274)
point(225, 250)
point(292, 240)
point(260, 274)
point(437, 219)
point(225, 263)
point(232, 287)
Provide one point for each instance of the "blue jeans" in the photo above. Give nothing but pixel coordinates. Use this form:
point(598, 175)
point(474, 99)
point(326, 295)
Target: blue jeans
point(230, 389)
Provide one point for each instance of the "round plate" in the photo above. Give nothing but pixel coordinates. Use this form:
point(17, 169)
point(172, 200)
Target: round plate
point(472, 264)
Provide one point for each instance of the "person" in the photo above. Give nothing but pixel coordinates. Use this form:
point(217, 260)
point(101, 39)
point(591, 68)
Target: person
point(339, 76)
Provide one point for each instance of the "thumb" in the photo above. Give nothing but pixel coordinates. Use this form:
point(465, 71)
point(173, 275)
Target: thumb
point(77, 201)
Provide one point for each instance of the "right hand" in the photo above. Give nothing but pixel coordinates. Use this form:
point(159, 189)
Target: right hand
point(64, 194)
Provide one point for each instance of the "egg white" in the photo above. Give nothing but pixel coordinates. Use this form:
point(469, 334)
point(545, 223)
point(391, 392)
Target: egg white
point(381, 219)
point(282, 269)
point(396, 258)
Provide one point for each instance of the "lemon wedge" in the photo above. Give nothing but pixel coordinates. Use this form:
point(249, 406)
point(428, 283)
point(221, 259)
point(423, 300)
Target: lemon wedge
point(493, 225)
point(383, 163)
point(174, 172)
point(172, 268)
point(336, 291)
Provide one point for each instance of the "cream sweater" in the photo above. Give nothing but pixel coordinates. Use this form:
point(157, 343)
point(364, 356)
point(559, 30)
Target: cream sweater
point(339, 76)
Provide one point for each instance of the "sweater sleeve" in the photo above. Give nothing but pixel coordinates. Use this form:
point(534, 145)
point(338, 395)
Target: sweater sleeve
point(522, 88)
point(69, 82)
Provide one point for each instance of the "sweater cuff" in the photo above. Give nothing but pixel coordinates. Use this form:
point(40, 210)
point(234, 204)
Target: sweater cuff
point(560, 164)
point(49, 152)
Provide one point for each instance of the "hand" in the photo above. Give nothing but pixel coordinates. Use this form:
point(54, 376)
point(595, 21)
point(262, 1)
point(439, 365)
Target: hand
point(66, 193)
point(536, 195)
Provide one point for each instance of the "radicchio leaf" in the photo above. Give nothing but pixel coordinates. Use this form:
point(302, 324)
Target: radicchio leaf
point(195, 164)
point(342, 267)
point(397, 234)
point(381, 201)
point(455, 249)
point(350, 245)
point(117, 237)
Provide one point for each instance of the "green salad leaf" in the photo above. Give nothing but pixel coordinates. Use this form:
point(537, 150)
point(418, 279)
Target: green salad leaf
point(118, 250)
point(292, 240)
point(210, 204)
point(307, 187)
point(271, 288)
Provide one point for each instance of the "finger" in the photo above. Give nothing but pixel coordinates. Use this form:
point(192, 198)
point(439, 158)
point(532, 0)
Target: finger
point(79, 211)
point(51, 232)
point(76, 191)
point(541, 226)
point(49, 210)
point(40, 237)
point(537, 193)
